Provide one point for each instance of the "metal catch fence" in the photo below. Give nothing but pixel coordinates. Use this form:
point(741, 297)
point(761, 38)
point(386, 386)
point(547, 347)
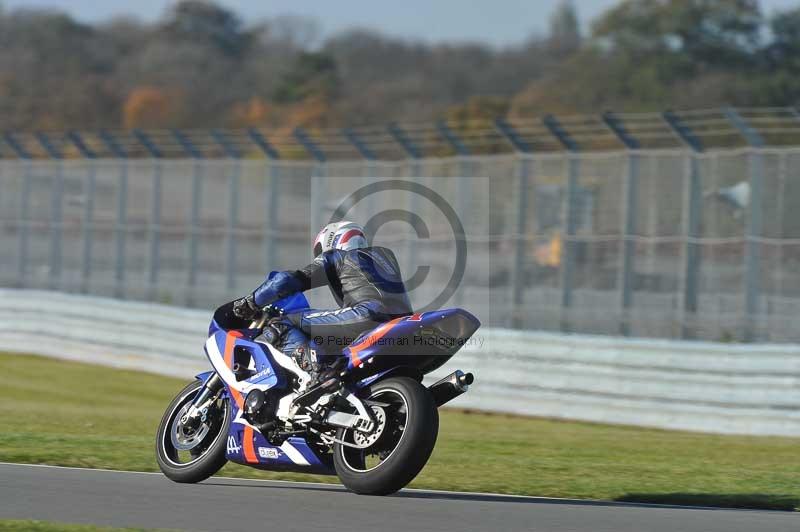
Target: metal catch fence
point(682, 240)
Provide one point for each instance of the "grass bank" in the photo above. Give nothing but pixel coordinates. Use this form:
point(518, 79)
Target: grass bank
point(70, 414)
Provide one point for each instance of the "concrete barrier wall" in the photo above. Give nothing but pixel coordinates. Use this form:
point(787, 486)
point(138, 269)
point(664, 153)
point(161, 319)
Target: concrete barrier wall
point(721, 388)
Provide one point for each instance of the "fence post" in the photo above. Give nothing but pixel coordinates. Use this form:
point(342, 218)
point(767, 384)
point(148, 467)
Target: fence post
point(122, 212)
point(233, 205)
point(518, 274)
point(369, 156)
point(56, 211)
point(464, 191)
point(88, 212)
point(272, 192)
point(154, 225)
point(318, 172)
point(24, 208)
point(692, 223)
point(273, 218)
point(629, 219)
point(415, 154)
point(569, 250)
point(194, 214)
point(754, 222)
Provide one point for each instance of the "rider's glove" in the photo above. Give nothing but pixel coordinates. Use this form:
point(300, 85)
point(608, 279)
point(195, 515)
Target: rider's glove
point(245, 308)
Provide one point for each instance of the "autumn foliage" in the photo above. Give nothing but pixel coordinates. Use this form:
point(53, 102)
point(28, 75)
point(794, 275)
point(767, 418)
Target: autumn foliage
point(201, 66)
point(149, 107)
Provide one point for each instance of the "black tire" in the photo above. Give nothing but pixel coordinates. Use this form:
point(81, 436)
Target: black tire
point(210, 451)
point(409, 454)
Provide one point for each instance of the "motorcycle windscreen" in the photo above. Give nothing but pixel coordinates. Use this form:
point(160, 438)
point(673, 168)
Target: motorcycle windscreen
point(224, 318)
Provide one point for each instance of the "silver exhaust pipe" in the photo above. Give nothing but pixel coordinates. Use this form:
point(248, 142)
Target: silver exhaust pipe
point(451, 386)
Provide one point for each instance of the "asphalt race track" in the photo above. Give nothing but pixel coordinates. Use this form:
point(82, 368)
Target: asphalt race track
point(150, 500)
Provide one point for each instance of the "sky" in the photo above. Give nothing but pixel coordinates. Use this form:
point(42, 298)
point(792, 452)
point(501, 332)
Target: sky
point(497, 22)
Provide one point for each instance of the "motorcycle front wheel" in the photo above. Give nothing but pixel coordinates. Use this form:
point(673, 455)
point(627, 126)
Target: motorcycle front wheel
point(394, 451)
point(192, 454)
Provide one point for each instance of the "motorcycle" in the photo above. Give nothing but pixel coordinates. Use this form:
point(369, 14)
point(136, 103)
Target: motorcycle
point(371, 422)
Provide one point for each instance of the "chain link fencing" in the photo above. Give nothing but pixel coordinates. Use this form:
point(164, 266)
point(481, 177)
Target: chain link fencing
point(651, 243)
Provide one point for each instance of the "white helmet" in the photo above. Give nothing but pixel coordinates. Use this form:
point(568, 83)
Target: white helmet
point(340, 235)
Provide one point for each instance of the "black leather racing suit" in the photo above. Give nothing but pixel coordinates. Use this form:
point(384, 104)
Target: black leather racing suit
point(365, 282)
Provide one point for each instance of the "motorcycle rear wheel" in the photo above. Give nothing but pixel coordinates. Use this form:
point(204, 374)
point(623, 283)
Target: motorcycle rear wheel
point(402, 443)
point(206, 446)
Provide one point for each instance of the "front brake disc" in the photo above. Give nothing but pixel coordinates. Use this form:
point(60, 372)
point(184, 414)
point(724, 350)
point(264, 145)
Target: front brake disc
point(184, 438)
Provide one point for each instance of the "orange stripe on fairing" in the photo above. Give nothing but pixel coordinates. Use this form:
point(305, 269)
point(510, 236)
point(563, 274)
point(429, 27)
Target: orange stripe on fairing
point(379, 333)
point(237, 398)
point(230, 343)
point(247, 437)
point(415, 317)
point(249, 447)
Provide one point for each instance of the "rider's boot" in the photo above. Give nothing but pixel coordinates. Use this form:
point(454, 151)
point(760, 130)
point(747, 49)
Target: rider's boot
point(309, 360)
point(306, 360)
point(294, 343)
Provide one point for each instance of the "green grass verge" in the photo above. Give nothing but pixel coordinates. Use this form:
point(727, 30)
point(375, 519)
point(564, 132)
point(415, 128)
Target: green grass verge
point(12, 525)
point(70, 414)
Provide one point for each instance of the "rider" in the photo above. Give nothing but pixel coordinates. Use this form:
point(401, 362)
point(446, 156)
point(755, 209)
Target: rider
point(364, 280)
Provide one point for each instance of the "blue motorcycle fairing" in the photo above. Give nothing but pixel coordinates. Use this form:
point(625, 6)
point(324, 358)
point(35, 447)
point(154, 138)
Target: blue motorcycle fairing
point(247, 446)
point(425, 341)
point(414, 344)
point(229, 339)
point(235, 346)
point(225, 320)
point(204, 376)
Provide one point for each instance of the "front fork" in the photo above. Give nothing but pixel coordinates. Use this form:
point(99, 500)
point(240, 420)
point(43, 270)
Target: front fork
point(197, 411)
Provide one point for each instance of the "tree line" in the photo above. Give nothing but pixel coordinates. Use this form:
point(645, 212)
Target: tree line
point(201, 65)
